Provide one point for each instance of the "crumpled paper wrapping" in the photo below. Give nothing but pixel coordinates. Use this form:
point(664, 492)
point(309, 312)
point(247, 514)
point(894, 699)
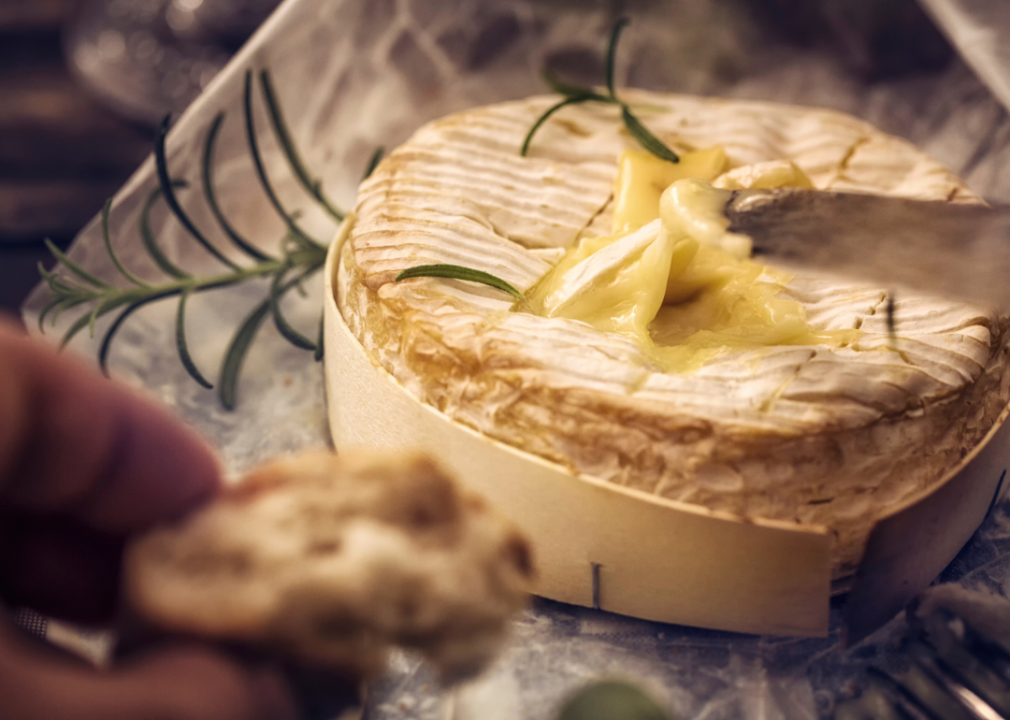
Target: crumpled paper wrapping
point(354, 74)
point(980, 29)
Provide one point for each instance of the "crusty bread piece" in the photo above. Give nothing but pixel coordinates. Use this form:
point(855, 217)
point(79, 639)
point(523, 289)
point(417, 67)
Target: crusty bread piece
point(332, 560)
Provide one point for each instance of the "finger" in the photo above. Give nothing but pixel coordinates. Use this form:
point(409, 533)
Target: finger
point(74, 443)
point(194, 683)
point(59, 568)
point(181, 682)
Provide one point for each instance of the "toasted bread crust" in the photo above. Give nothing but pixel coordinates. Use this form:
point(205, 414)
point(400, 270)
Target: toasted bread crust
point(332, 560)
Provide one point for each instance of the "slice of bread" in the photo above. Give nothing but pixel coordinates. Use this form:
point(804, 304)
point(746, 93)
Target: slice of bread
point(332, 560)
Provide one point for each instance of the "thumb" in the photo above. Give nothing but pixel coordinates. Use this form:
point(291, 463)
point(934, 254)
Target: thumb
point(185, 681)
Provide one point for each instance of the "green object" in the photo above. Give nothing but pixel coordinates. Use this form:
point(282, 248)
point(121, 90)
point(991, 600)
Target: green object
point(301, 256)
point(458, 272)
point(573, 94)
point(612, 700)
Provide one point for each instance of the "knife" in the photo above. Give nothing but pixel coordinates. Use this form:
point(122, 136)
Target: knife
point(961, 251)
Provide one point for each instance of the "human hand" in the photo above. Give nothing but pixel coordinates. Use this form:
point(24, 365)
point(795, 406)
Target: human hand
point(85, 463)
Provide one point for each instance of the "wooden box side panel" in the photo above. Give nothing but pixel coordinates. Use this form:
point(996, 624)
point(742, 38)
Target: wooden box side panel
point(908, 548)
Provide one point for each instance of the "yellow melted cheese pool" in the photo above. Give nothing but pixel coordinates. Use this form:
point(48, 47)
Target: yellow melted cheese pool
point(671, 276)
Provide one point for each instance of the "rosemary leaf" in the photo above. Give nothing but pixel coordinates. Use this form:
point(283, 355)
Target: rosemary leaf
point(180, 342)
point(103, 352)
point(65, 289)
point(254, 150)
point(373, 162)
point(74, 267)
point(147, 236)
point(568, 90)
point(575, 94)
point(117, 297)
point(62, 288)
point(99, 309)
point(208, 191)
point(318, 354)
point(313, 187)
point(112, 253)
point(85, 320)
point(46, 310)
point(56, 316)
point(283, 326)
point(458, 272)
point(615, 35)
point(237, 350)
point(161, 165)
point(68, 304)
point(547, 113)
point(45, 274)
point(645, 138)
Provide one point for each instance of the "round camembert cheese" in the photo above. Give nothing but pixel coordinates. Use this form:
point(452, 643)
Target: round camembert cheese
point(651, 351)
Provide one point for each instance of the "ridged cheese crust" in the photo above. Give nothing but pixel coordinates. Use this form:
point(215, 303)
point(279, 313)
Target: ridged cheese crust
point(813, 434)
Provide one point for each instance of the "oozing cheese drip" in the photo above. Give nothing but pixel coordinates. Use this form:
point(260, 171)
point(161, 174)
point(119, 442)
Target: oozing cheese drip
point(671, 276)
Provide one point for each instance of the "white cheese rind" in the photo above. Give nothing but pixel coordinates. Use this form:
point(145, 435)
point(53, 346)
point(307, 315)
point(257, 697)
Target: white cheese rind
point(813, 434)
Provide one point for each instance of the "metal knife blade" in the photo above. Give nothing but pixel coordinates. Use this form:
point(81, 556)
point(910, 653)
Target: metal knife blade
point(961, 251)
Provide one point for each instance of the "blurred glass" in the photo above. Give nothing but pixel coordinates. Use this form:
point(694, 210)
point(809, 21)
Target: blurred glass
point(146, 58)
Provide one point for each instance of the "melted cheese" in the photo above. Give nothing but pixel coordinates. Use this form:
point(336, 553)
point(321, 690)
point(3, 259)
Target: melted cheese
point(615, 284)
point(766, 175)
point(642, 178)
point(671, 276)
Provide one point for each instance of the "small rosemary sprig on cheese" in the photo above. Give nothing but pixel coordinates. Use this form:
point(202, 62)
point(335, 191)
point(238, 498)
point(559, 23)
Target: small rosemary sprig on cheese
point(459, 272)
point(573, 94)
point(299, 257)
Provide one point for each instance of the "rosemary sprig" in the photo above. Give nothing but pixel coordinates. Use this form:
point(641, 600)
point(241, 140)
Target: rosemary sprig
point(458, 272)
point(301, 256)
point(574, 94)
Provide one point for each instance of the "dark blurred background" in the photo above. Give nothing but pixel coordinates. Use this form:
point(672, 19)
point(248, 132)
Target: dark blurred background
point(82, 83)
point(61, 152)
